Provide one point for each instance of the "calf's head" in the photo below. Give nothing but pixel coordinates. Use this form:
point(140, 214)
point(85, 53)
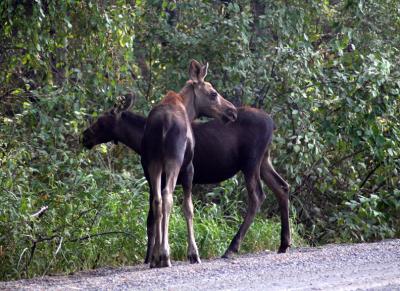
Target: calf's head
point(105, 127)
point(207, 101)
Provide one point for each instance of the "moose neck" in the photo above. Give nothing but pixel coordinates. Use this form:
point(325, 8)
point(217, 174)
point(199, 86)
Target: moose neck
point(129, 130)
point(188, 96)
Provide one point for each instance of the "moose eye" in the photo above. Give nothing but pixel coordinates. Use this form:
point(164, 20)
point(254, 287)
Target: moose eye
point(213, 95)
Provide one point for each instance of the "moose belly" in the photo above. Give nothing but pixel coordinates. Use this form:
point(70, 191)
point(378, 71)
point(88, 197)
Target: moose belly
point(213, 169)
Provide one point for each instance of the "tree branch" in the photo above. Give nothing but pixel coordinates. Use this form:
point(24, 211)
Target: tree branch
point(337, 163)
point(100, 234)
point(40, 212)
point(272, 74)
point(370, 174)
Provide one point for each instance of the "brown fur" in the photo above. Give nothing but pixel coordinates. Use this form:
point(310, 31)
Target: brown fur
point(168, 146)
point(221, 150)
point(172, 98)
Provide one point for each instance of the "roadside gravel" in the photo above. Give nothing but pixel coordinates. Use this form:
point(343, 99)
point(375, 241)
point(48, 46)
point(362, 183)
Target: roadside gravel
point(374, 266)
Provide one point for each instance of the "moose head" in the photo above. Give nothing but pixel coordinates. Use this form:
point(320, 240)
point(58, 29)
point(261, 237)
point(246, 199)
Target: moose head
point(104, 129)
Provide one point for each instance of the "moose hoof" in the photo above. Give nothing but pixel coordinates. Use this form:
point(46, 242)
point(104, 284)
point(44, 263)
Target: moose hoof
point(165, 261)
point(283, 248)
point(153, 265)
point(160, 262)
point(228, 255)
point(155, 262)
point(194, 259)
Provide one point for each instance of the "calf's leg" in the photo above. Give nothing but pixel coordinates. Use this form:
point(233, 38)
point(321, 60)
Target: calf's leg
point(150, 229)
point(255, 198)
point(171, 169)
point(281, 190)
point(150, 218)
point(155, 170)
point(187, 178)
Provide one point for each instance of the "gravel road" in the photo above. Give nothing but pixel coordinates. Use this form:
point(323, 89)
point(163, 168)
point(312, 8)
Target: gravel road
point(374, 266)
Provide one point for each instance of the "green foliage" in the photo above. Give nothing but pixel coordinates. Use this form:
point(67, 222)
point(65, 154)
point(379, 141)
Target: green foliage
point(326, 70)
point(215, 229)
point(97, 201)
point(371, 217)
point(218, 214)
point(43, 164)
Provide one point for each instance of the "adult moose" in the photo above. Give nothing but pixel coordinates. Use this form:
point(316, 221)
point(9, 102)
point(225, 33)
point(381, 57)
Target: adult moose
point(167, 148)
point(221, 150)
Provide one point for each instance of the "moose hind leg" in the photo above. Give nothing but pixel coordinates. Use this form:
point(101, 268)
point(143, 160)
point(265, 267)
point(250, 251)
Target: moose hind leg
point(150, 218)
point(155, 184)
point(255, 198)
point(281, 190)
point(187, 178)
point(171, 171)
point(150, 230)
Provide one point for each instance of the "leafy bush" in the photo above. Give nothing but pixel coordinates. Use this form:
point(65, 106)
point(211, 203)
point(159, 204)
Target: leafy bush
point(97, 200)
point(326, 70)
point(370, 218)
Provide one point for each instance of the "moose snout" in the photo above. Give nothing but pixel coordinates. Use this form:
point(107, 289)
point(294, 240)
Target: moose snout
point(230, 114)
point(85, 141)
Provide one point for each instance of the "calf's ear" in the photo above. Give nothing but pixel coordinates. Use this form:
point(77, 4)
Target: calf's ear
point(194, 71)
point(203, 72)
point(123, 103)
point(130, 99)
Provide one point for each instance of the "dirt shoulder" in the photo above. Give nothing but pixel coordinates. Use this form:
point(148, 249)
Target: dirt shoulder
point(345, 267)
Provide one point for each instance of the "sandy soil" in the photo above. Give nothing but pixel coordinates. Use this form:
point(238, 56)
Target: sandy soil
point(374, 266)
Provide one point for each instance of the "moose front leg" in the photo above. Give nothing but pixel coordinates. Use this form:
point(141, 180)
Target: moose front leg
point(256, 197)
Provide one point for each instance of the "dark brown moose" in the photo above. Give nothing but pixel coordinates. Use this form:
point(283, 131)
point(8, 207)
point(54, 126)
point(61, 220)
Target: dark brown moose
point(221, 150)
point(168, 148)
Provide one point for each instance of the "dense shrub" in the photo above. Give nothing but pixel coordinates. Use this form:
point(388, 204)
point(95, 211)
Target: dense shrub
point(326, 70)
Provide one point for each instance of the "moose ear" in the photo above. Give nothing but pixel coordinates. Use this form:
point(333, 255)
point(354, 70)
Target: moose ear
point(203, 72)
point(130, 99)
point(123, 103)
point(112, 111)
point(194, 70)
